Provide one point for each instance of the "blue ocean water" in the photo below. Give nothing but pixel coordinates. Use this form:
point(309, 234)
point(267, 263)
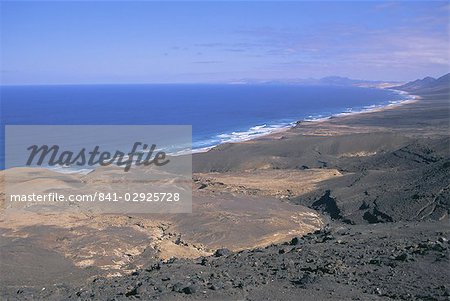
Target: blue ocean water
point(217, 113)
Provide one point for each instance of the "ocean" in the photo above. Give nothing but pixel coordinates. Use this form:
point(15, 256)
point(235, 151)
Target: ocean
point(217, 113)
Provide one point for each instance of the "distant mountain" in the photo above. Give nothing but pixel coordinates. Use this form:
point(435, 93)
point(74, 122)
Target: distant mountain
point(326, 81)
point(443, 80)
point(418, 84)
point(427, 85)
point(340, 81)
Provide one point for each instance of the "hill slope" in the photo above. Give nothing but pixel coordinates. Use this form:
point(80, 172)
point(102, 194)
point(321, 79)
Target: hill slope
point(427, 85)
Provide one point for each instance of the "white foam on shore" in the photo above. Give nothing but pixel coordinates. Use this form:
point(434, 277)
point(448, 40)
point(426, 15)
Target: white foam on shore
point(368, 109)
point(263, 130)
point(252, 133)
point(70, 170)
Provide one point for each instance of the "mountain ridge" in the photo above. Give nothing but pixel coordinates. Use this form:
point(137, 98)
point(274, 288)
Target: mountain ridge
point(427, 85)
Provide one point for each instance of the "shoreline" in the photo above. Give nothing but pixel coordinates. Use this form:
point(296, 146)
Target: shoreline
point(412, 98)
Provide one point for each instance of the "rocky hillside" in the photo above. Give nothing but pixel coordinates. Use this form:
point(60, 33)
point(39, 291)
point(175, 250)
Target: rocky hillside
point(392, 261)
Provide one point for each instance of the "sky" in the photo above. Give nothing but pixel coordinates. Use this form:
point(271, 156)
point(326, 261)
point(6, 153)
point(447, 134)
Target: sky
point(91, 42)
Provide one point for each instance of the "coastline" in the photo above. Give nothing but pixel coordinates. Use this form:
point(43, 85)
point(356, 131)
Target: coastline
point(374, 108)
point(412, 98)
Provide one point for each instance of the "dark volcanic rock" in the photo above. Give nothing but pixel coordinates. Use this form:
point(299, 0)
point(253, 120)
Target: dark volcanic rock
point(341, 263)
point(306, 279)
point(328, 205)
point(222, 252)
point(295, 241)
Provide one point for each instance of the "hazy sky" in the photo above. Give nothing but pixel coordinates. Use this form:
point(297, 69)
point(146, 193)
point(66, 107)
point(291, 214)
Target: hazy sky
point(153, 42)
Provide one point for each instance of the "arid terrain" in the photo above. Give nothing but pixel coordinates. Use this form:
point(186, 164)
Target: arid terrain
point(350, 208)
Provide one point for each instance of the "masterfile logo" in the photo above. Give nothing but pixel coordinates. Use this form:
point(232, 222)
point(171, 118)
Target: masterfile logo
point(141, 154)
point(106, 169)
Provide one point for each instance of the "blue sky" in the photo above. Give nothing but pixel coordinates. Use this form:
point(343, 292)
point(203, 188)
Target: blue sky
point(186, 42)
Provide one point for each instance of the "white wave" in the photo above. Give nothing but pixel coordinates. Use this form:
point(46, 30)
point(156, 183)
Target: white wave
point(252, 133)
point(69, 170)
point(406, 98)
point(258, 127)
point(181, 152)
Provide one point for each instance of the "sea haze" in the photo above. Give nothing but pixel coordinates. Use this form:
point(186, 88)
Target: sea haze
point(217, 113)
